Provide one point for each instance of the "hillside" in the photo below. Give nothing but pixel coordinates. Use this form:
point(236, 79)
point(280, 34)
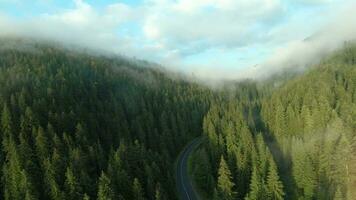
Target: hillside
point(78, 126)
point(295, 140)
point(313, 120)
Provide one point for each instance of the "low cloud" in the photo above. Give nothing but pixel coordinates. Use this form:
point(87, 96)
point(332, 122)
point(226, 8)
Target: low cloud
point(174, 32)
point(298, 54)
point(301, 54)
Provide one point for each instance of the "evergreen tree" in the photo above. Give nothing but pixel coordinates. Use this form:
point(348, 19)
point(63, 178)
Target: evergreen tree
point(256, 190)
point(274, 185)
point(71, 185)
point(42, 145)
point(225, 185)
point(86, 197)
point(6, 127)
point(12, 174)
point(105, 189)
point(137, 190)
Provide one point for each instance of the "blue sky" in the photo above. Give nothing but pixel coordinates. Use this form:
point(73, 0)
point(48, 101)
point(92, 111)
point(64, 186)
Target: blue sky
point(208, 37)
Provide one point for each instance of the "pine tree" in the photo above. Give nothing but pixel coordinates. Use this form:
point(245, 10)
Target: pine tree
point(71, 185)
point(51, 186)
point(225, 185)
point(308, 123)
point(303, 171)
point(137, 190)
point(12, 174)
point(81, 135)
point(202, 170)
point(26, 187)
point(274, 185)
point(118, 176)
point(105, 191)
point(6, 125)
point(280, 120)
point(86, 197)
point(255, 186)
point(41, 143)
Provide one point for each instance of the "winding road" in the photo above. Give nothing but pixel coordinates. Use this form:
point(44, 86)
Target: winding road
point(184, 184)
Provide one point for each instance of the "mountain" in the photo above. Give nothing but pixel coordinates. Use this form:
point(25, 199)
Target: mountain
point(79, 126)
point(76, 124)
point(283, 138)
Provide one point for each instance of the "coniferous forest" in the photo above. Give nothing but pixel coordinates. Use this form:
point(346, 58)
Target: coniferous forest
point(76, 125)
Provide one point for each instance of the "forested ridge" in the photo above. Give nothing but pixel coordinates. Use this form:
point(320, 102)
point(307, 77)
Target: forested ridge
point(284, 139)
point(77, 125)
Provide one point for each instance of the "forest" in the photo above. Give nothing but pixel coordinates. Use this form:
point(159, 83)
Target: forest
point(284, 139)
point(76, 125)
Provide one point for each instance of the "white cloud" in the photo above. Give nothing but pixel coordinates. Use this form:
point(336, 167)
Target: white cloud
point(227, 23)
point(82, 25)
point(299, 54)
point(175, 30)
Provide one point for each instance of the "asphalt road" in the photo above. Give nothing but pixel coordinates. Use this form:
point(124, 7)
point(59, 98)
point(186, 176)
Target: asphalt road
point(184, 184)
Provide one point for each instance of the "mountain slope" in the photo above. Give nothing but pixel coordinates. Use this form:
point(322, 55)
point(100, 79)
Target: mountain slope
point(75, 126)
point(306, 126)
point(313, 119)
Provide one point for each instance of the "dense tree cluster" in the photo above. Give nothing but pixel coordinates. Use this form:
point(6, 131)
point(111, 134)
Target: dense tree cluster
point(76, 126)
point(313, 120)
point(235, 162)
point(284, 139)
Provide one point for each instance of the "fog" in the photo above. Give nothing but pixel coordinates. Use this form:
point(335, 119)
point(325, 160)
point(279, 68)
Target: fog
point(302, 54)
point(85, 27)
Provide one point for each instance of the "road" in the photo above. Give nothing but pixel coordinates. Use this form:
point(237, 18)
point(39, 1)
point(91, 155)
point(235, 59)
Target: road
point(184, 184)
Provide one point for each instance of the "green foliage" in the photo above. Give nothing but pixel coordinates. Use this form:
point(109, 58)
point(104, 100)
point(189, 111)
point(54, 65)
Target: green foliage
point(312, 119)
point(224, 184)
point(274, 185)
point(68, 116)
point(256, 186)
point(105, 191)
point(78, 126)
point(304, 123)
point(137, 190)
point(202, 171)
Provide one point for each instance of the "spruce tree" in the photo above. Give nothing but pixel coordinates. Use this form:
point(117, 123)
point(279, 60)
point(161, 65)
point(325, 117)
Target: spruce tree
point(105, 191)
point(137, 190)
point(255, 186)
point(41, 143)
point(71, 185)
point(274, 185)
point(225, 187)
point(86, 197)
point(6, 126)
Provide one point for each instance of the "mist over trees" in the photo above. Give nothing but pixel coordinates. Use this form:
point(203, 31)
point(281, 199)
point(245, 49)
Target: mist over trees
point(313, 119)
point(75, 126)
point(79, 126)
point(290, 141)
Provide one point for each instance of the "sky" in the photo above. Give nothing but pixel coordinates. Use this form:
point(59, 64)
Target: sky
point(215, 39)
